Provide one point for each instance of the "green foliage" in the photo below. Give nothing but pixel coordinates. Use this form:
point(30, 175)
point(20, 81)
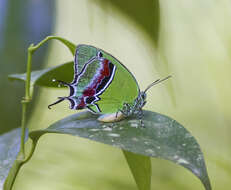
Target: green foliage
point(45, 77)
point(140, 167)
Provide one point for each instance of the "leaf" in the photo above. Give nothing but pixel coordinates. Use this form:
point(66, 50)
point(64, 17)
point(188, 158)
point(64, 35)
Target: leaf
point(70, 45)
point(44, 77)
point(9, 148)
point(162, 137)
point(141, 169)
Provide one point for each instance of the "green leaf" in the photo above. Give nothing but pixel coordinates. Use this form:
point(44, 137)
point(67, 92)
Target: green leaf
point(70, 45)
point(9, 148)
point(141, 169)
point(162, 137)
point(44, 77)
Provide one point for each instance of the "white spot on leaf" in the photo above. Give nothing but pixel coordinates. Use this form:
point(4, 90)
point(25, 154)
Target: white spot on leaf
point(149, 151)
point(107, 129)
point(182, 161)
point(94, 130)
point(113, 135)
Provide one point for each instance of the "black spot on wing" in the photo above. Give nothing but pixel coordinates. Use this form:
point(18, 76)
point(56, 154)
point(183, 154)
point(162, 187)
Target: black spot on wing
point(90, 99)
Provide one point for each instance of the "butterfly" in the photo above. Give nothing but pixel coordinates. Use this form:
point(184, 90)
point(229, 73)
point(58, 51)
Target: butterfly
point(104, 86)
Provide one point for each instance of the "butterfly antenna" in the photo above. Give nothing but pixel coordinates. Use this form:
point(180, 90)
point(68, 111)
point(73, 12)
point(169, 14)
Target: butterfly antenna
point(156, 82)
point(58, 101)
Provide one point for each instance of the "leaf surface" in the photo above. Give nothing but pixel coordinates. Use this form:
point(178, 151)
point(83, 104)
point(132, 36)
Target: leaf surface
point(45, 77)
point(162, 137)
point(9, 149)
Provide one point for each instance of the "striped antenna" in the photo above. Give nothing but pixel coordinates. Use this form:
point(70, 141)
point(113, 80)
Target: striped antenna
point(156, 82)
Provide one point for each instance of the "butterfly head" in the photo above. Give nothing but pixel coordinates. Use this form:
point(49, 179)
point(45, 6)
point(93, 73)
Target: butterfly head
point(140, 101)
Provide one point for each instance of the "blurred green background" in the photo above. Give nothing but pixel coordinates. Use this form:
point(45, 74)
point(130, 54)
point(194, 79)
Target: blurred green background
point(21, 23)
point(191, 40)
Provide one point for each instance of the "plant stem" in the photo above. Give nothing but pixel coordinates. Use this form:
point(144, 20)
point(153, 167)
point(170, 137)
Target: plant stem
point(21, 159)
point(26, 100)
point(23, 129)
point(32, 149)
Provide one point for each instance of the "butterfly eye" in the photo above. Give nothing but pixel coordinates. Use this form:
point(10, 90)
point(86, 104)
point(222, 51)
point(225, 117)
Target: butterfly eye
point(100, 54)
point(144, 96)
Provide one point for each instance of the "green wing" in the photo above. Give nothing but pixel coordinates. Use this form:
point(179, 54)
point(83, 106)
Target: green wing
point(84, 54)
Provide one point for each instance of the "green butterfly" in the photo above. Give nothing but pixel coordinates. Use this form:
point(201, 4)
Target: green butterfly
point(104, 86)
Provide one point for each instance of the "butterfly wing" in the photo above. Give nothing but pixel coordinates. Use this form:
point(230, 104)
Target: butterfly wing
point(101, 83)
point(83, 55)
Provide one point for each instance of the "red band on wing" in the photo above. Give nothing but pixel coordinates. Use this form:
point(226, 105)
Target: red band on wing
point(91, 90)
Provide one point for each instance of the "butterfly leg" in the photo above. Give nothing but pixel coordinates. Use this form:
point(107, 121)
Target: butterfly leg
point(127, 109)
point(140, 116)
point(119, 110)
